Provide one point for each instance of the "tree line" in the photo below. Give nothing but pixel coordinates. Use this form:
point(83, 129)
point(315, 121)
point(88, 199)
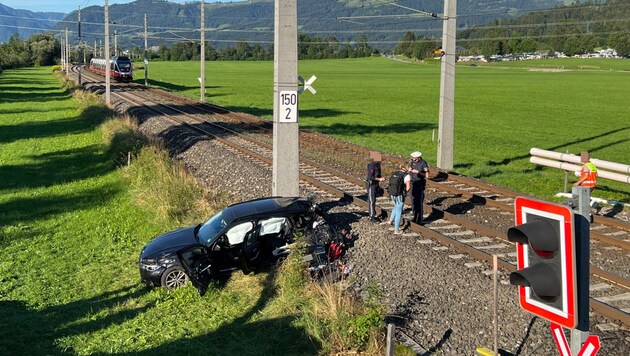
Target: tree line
point(573, 29)
point(45, 49)
point(40, 49)
point(308, 48)
point(418, 47)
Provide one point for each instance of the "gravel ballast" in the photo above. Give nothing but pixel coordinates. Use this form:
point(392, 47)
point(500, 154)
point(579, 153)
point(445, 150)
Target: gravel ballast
point(438, 298)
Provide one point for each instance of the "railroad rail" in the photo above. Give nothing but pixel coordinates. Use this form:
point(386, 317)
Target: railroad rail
point(464, 235)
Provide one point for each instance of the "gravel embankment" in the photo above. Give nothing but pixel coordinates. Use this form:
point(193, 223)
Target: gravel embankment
point(437, 300)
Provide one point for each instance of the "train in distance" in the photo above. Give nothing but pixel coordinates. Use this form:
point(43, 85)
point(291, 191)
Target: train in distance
point(121, 68)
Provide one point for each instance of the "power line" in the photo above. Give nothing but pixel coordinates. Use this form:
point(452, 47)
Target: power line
point(174, 30)
point(411, 16)
point(381, 4)
point(183, 38)
point(545, 24)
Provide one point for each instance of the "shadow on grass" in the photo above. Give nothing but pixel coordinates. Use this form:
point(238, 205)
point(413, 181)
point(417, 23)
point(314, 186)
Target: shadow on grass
point(13, 89)
point(15, 214)
point(56, 168)
point(170, 86)
point(19, 88)
point(360, 130)
point(31, 95)
point(24, 111)
point(309, 113)
point(507, 161)
point(87, 121)
point(26, 331)
point(279, 336)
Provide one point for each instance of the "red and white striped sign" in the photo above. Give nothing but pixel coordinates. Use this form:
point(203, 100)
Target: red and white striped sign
point(590, 347)
point(561, 340)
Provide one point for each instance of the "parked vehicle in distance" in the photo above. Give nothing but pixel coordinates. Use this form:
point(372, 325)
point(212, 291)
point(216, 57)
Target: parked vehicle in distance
point(243, 236)
point(120, 68)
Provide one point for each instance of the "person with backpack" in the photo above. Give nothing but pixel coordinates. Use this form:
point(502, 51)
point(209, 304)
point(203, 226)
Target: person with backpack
point(373, 179)
point(399, 185)
point(419, 172)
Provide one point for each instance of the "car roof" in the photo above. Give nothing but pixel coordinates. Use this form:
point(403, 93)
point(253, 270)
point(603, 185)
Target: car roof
point(266, 206)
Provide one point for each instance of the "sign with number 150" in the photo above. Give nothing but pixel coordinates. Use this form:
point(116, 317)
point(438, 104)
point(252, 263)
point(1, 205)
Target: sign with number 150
point(288, 106)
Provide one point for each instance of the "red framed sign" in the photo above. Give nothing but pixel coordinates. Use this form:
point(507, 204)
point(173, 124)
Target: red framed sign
point(563, 312)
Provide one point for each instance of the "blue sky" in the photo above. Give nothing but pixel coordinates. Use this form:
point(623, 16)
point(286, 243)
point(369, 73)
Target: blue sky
point(67, 6)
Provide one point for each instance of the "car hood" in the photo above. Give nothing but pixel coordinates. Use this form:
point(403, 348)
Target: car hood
point(170, 242)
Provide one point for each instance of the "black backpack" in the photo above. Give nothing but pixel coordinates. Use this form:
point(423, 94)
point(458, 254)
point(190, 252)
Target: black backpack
point(397, 183)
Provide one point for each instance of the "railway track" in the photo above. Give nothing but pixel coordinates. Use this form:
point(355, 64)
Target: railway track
point(610, 292)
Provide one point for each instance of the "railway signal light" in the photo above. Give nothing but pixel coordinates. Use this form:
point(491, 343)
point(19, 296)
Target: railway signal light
point(546, 275)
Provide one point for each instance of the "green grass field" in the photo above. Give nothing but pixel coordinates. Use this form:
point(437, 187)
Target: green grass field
point(582, 64)
point(70, 232)
point(500, 112)
point(70, 236)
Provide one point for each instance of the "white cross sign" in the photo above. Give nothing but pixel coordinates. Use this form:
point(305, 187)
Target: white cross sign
point(307, 85)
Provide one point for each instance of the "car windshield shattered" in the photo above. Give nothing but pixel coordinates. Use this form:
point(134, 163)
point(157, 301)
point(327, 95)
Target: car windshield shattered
point(211, 228)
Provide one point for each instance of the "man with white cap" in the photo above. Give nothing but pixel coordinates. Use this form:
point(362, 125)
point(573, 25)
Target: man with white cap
point(419, 172)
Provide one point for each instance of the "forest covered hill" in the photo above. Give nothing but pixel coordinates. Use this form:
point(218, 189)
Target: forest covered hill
point(383, 22)
point(24, 22)
point(573, 29)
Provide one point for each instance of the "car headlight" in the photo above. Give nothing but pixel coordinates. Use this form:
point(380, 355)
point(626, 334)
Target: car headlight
point(149, 264)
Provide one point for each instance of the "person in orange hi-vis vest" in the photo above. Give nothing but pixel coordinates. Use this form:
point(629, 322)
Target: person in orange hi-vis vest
point(588, 173)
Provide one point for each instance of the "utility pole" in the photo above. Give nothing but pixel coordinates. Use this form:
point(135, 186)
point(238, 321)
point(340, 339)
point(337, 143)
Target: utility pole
point(107, 59)
point(100, 47)
point(63, 59)
point(115, 42)
point(202, 79)
point(580, 332)
point(67, 54)
point(146, 53)
point(286, 156)
point(79, 49)
point(446, 124)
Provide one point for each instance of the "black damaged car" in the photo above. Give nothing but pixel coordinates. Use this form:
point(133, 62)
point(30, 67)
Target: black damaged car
point(243, 236)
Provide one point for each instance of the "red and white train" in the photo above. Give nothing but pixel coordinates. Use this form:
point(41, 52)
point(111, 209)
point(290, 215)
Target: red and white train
point(120, 69)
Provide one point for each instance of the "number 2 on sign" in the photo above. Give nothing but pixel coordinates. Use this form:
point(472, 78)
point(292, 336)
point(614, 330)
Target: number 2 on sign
point(288, 106)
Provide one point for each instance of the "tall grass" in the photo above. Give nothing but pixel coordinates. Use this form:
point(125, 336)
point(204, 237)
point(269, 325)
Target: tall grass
point(340, 321)
point(123, 139)
point(156, 182)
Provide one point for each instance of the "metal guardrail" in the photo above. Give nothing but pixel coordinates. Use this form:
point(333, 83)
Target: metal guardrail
point(569, 162)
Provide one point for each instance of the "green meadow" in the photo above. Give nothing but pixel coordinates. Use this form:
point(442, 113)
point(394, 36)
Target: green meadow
point(71, 229)
point(583, 64)
point(501, 110)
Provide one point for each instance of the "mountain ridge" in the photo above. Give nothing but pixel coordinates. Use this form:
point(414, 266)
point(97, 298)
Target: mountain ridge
point(228, 22)
point(25, 22)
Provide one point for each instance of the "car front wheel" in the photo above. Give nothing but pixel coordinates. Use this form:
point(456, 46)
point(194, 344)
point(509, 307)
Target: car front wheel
point(174, 277)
